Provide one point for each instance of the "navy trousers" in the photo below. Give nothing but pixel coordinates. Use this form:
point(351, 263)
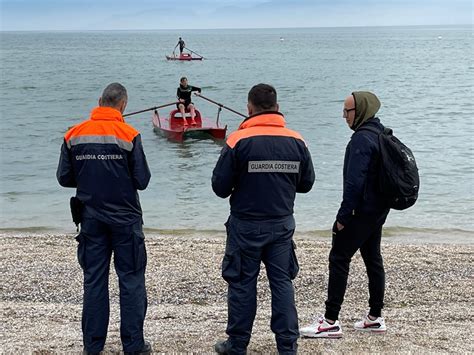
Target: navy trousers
point(248, 244)
point(363, 234)
point(97, 241)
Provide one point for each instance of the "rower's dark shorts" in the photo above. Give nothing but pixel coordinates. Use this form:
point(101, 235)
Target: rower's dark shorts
point(186, 104)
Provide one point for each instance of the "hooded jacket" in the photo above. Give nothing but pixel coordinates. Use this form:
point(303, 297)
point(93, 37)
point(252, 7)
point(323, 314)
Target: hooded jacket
point(103, 158)
point(366, 105)
point(360, 174)
point(262, 167)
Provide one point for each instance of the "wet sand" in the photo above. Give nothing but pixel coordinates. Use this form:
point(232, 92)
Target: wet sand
point(428, 296)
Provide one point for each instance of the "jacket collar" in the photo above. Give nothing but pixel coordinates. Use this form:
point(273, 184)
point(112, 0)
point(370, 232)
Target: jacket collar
point(371, 122)
point(266, 118)
point(103, 113)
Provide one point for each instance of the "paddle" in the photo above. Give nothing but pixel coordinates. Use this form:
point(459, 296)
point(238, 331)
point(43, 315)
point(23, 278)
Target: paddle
point(149, 109)
point(194, 52)
point(220, 105)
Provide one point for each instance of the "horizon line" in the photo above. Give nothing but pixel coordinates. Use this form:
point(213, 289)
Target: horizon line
point(234, 28)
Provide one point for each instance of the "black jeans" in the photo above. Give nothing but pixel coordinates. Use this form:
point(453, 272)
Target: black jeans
point(97, 241)
point(365, 234)
point(248, 244)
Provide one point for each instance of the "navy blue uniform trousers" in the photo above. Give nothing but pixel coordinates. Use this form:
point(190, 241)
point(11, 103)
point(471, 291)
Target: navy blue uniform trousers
point(364, 234)
point(249, 243)
point(97, 241)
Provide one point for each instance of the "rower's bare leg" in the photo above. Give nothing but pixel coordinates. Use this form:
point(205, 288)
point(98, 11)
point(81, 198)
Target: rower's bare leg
point(183, 114)
point(193, 114)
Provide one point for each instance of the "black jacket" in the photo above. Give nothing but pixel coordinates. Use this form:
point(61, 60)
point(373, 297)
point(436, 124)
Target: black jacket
point(103, 158)
point(361, 196)
point(185, 93)
point(262, 167)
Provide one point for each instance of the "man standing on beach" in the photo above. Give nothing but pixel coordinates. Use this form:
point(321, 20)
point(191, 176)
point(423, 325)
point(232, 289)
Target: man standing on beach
point(103, 158)
point(262, 167)
point(359, 222)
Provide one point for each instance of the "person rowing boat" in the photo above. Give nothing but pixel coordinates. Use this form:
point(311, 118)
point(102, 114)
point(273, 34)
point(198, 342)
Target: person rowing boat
point(184, 97)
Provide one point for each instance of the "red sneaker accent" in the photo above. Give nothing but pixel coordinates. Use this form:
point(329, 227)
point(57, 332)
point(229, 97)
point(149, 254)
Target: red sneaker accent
point(327, 329)
point(372, 325)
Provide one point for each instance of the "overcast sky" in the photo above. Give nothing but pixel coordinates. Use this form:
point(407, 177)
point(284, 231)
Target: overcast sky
point(205, 14)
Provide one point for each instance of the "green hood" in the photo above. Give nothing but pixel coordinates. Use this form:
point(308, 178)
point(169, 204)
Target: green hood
point(366, 106)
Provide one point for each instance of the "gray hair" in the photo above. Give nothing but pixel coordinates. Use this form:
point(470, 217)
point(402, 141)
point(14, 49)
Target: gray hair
point(113, 95)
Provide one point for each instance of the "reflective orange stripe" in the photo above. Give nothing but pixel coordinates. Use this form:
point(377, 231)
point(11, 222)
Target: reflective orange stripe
point(262, 125)
point(104, 121)
point(265, 119)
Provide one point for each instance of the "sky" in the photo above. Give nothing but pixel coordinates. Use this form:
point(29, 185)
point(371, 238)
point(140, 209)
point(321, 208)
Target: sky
point(43, 15)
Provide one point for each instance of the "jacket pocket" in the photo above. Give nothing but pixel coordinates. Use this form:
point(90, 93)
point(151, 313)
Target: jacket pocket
point(140, 257)
point(231, 266)
point(81, 250)
point(294, 266)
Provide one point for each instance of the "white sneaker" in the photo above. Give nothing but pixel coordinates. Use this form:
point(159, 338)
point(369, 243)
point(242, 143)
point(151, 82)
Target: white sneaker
point(322, 329)
point(368, 325)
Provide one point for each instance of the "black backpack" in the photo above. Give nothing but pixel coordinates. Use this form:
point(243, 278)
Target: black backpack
point(399, 180)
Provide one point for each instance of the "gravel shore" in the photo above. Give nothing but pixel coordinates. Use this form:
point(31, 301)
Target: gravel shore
point(429, 297)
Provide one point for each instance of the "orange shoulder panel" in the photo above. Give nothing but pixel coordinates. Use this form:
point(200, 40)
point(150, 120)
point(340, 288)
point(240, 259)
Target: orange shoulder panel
point(255, 131)
point(120, 130)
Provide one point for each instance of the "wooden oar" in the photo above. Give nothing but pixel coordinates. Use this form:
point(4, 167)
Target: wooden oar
point(149, 109)
point(194, 52)
point(220, 105)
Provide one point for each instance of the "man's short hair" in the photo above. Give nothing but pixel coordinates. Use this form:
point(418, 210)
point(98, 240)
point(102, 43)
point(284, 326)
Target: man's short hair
point(113, 94)
point(183, 79)
point(263, 97)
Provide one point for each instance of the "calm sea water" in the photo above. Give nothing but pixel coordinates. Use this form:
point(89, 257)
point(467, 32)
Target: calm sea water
point(424, 77)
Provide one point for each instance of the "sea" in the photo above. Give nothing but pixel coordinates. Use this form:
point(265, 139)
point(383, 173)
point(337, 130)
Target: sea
point(423, 76)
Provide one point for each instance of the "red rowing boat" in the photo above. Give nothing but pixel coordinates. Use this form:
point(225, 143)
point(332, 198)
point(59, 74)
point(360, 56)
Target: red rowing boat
point(172, 127)
point(183, 56)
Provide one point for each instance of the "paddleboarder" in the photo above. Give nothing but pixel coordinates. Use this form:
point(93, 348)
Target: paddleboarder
point(181, 45)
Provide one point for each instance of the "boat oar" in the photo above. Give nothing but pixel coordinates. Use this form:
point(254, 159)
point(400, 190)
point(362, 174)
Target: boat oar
point(194, 52)
point(221, 105)
point(149, 109)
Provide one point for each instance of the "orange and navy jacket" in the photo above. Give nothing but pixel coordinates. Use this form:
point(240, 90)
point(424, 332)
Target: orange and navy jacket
point(262, 167)
point(103, 158)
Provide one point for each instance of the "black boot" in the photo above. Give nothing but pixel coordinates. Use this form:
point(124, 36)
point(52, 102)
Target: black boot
point(222, 347)
point(146, 350)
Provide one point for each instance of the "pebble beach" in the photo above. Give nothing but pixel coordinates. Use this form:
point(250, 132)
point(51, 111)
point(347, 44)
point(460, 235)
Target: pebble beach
point(428, 303)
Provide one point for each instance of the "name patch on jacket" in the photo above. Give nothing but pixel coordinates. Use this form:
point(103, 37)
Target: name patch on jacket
point(274, 166)
point(99, 157)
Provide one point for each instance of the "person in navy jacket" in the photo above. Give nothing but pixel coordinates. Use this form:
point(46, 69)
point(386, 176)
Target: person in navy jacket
point(262, 167)
point(359, 221)
point(103, 159)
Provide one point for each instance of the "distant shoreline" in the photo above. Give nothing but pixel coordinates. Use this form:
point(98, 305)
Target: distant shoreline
point(186, 30)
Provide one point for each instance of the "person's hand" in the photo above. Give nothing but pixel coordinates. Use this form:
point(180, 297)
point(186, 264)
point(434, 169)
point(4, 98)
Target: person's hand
point(336, 227)
point(197, 93)
point(339, 226)
point(181, 100)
